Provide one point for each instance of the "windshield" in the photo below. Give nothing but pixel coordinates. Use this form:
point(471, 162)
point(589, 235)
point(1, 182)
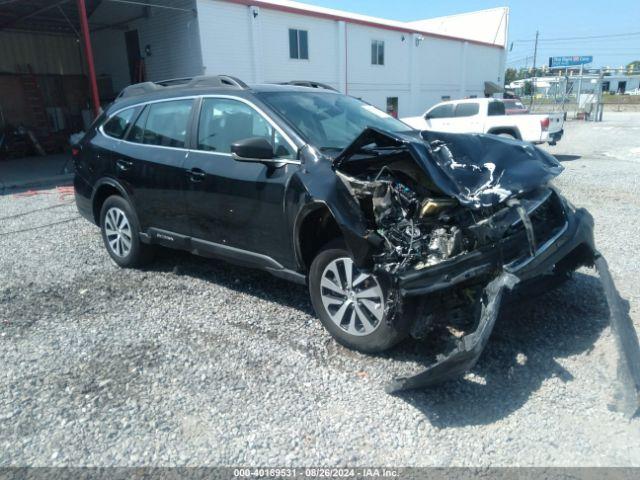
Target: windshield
point(329, 121)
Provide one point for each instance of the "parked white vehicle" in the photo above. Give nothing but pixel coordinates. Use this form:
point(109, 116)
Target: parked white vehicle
point(487, 115)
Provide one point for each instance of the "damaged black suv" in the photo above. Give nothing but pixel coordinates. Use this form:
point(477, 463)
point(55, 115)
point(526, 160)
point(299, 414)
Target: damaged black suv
point(394, 231)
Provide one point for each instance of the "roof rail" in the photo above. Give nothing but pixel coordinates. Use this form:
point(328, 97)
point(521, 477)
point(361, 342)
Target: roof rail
point(219, 81)
point(309, 83)
point(138, 89)
point(169, 82)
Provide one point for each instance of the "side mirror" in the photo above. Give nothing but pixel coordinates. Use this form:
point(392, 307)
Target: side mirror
point(252, 149)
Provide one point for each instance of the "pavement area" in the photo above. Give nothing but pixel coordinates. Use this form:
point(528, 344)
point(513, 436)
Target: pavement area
point(35, 171)
point(195, 362)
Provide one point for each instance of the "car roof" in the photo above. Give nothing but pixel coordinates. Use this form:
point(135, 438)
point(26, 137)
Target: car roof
point(179, 91)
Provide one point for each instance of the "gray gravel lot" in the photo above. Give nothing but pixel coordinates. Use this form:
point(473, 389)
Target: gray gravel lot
point(194, 362)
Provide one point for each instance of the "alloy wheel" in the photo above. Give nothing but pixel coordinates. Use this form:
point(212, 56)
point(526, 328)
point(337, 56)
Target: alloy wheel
point(118, 231)
point(353, 299)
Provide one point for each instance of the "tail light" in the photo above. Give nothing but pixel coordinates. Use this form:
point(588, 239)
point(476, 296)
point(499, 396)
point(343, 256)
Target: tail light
point(75, 155)
point(544, 123)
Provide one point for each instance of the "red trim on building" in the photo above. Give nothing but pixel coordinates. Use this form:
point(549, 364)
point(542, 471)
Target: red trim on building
point(368, 23)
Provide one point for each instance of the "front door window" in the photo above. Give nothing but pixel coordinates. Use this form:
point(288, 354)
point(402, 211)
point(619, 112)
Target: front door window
point(224, 121)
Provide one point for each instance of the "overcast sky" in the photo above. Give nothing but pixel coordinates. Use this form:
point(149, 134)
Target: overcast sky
point(556, 20)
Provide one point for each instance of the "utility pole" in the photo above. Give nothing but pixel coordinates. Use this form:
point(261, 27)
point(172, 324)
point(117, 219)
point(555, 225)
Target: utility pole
point(533, 84)
point(579, 87)
point(599, 105)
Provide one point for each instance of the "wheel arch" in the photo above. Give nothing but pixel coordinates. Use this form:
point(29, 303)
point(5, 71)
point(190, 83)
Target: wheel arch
point(315, 226)
point(105, 188)
point(514, 131)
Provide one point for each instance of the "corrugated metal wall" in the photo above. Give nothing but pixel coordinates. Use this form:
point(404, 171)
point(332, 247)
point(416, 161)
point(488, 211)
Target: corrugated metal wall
point(47, 54)
point(172, 36)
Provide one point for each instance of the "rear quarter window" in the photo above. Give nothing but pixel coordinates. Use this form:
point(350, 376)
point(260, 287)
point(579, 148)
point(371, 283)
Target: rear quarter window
point(118, 124)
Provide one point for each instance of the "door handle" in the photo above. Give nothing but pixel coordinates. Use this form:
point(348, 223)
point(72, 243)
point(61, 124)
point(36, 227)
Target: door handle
point(123, 165)
point(196, 174)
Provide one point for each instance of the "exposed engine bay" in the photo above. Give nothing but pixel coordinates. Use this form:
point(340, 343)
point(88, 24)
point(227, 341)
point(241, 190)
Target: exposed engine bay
point(418, 228)
point(416, 225)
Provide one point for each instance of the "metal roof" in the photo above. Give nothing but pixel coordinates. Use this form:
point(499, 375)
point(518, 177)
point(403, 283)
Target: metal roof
point(54, 16)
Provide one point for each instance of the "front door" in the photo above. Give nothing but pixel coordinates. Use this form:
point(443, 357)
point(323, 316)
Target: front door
point(439, 117)
point(234, 203)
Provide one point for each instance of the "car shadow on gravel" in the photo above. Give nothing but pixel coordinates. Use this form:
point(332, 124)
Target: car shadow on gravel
point(522, 353)
point(520, 356)
point(241, 279)
point(567, 158)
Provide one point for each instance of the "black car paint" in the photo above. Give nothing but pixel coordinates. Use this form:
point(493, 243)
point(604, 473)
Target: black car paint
point(252, 213)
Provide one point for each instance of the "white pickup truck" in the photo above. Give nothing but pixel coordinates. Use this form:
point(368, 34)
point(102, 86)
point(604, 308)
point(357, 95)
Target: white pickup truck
point(487, 115)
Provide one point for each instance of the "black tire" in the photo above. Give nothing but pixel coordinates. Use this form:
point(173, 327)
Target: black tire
point(138, 253)
point(385, 334)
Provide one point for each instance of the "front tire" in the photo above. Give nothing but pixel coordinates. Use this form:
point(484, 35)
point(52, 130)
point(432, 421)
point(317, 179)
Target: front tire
point(120, 233)
point(351, 304)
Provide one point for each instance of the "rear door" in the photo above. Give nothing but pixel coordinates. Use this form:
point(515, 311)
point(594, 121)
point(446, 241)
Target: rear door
point(235, 203)
point(151, 160)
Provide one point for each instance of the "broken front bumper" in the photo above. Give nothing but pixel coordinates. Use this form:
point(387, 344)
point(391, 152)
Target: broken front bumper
point(568, 248)
point(572, 244)
point(575, 235)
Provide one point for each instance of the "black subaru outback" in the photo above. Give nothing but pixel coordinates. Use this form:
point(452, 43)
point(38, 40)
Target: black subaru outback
point(394, 231)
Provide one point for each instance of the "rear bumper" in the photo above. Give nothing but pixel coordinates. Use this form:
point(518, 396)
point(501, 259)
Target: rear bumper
point(83, 194)
point(555, 137)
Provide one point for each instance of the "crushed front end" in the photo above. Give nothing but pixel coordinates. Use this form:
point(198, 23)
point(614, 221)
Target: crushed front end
point(456, 221)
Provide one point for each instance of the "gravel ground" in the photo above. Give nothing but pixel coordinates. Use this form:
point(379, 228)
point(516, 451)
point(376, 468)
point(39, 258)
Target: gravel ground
point(194, 362)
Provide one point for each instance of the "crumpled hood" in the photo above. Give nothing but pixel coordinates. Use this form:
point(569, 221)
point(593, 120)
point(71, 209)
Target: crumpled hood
point(478, 170)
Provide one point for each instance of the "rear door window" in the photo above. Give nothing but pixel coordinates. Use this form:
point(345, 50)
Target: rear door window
point(117, 125)
point(443, 111)
point(163, 124)
point(496, 108)
point(467, 109)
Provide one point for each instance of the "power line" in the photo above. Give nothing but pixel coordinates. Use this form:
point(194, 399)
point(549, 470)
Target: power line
point(560, 39)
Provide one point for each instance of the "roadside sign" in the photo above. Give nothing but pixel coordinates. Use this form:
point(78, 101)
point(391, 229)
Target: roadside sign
point(569, 61)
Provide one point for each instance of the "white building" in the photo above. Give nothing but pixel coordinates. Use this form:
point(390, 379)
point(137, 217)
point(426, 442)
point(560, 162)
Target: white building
point(399, 66)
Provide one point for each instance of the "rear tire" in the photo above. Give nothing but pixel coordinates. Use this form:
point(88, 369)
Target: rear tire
point(352, 305)
point(120, 233)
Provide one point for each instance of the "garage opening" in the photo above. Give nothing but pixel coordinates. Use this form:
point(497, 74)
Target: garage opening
point(45, 93)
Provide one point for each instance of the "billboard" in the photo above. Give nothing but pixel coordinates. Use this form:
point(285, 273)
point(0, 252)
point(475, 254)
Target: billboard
point(555, 62)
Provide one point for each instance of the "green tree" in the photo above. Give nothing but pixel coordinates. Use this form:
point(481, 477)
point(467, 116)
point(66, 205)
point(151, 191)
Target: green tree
point(510, 75)
point(634, 66)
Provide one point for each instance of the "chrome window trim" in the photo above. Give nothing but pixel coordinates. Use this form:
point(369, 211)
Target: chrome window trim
point(193, 97)
point(144, 104)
